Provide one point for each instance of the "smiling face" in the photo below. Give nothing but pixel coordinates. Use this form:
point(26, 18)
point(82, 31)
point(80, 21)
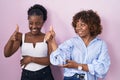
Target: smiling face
point(82, 29)
point(35, 24)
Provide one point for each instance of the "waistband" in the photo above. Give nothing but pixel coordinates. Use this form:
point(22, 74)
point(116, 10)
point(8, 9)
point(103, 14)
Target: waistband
point(45, 69)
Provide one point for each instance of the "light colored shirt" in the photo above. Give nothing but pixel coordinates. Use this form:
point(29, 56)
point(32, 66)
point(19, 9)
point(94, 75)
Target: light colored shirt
point(95, 55)
point(40, 50)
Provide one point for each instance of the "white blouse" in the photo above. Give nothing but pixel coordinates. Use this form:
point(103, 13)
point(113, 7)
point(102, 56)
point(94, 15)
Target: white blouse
point(40, 50)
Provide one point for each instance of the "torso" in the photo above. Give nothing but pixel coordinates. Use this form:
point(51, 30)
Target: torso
point(34, 46)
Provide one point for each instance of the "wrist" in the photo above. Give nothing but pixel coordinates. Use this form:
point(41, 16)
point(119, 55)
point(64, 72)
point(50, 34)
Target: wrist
point(80, 67)
point(32, 59)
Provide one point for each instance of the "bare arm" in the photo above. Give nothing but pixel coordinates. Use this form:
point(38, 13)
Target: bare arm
point(50, 38)
point(39, 60)
point(13, 43)
point(52, 45)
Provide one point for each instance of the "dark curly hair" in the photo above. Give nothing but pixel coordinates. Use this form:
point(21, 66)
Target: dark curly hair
point(37, 10)
point(90, 18)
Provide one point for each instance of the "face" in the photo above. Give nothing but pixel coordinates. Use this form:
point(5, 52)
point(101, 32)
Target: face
point(82, 29)
point(35, 24)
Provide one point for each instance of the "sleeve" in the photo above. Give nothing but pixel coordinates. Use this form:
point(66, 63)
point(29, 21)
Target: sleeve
point(100, 66)
point(61, 54)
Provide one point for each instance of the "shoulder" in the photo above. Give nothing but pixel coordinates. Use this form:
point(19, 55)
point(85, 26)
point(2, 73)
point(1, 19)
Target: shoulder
point(101, 41)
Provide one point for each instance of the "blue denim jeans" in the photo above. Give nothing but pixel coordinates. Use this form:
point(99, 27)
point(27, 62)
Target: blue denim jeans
point(75, 77)
point(43, 74)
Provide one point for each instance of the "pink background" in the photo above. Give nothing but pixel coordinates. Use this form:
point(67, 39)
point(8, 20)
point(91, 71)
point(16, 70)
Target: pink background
point(60, 14)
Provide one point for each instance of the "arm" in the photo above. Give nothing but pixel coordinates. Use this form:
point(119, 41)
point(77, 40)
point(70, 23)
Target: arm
point(13, 43)
point(50, 39)
point(39, 60)
point(100, 65)
point(52, 45)
point(73, 64)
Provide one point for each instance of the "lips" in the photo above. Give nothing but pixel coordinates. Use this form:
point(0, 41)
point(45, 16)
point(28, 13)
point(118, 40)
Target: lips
point(79, 31)
point(34, 29)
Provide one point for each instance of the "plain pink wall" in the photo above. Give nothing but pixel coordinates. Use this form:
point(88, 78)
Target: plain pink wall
point(60, 14)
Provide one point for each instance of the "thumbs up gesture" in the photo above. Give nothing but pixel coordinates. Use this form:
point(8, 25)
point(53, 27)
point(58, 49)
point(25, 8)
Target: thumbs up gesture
point(50, 34)
point(14, 36)
point(52, 31)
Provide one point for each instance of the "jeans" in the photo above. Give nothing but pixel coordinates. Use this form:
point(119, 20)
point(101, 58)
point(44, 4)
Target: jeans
point(42, 74)
point(76, 77)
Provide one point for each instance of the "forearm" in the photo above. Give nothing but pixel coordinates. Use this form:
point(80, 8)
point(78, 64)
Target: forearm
point(53, 44)
point(8, 48)
point(12, 45)
point(41, 60)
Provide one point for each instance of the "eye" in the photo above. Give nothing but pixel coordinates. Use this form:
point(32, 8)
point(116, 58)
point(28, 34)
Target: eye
point(38, 23)
point(30, 23)
point(82, 25)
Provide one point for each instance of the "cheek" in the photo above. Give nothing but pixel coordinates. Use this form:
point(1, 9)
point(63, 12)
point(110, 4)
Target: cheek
point(85, 29)
point(30, 27)
point(39, 26)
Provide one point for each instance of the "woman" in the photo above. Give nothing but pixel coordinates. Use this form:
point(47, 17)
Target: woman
point(85, 56)
point(35, 60)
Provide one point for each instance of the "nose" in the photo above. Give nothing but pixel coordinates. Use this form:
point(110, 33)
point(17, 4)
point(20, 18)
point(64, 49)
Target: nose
point(34, 26)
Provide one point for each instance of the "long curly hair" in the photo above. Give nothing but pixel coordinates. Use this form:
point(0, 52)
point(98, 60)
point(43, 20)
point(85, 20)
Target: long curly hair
point(90, 18)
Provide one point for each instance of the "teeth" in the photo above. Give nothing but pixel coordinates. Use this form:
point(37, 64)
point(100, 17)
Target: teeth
point(34, 30)
point(80, 32)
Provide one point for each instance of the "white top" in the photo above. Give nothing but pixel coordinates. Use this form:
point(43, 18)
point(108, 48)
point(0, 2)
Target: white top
point(40, 50)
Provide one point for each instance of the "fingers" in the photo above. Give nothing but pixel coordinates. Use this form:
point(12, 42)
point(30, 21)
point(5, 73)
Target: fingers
point(50, 34)
point(21, 62)
point(47, 36)
point(52, 31)
point(24, 61)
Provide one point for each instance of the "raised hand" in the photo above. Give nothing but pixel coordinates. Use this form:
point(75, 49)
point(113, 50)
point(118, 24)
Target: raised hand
point(14, 36)
point(50, 34)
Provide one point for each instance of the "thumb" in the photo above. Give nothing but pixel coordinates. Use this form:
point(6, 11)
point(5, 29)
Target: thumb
point(51, 28)
point(17, 28)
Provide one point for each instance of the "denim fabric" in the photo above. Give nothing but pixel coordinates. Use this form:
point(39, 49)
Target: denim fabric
point(43, 74)
point(75, 77)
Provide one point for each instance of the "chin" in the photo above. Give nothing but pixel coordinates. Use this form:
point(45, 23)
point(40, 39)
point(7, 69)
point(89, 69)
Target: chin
point(81, 36)
point(33, 33)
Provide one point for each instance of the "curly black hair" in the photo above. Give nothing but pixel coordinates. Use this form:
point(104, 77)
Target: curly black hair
point(38, 10)
point(90, 18)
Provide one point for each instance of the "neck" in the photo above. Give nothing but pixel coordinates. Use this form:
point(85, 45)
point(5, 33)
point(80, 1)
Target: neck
point(87, 40)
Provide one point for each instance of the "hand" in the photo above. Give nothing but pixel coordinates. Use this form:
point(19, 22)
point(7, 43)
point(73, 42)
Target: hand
point(50, 35)
point(26, 60)
point(14, 36)
point(52, 31)
point(70, 64)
